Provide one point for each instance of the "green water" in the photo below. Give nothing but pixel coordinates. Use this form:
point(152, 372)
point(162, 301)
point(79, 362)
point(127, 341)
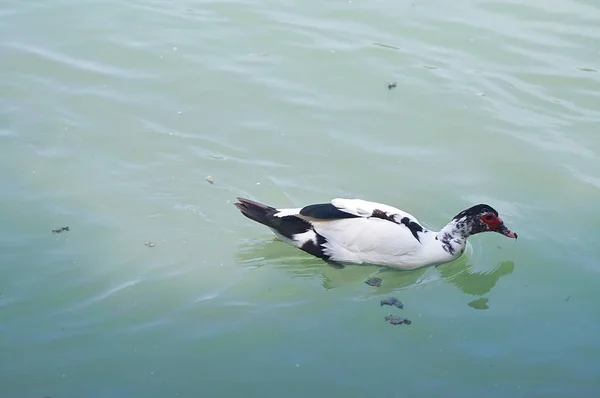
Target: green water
point(114, 113)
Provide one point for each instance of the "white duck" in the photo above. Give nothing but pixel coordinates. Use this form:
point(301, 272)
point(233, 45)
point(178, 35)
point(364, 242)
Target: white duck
point(361, 232)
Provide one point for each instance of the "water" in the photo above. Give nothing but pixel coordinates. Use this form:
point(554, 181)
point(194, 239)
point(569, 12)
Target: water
point(114, 113)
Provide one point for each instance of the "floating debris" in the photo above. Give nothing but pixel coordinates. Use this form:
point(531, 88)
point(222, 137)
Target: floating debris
point(210, 179)
point(396, 320)
point(480, 94)
point(392, 301)
point(391, 85)
point(59, 230)
point(149, 244)
point(374, 281)
point(386, 46)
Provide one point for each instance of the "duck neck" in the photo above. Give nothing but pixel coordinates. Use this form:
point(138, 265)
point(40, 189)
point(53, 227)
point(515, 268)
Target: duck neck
point(454, 236)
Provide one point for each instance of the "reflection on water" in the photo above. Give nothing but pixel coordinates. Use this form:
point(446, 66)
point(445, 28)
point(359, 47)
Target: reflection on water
point(459, 273)
point(475, 283)
point(479, 304)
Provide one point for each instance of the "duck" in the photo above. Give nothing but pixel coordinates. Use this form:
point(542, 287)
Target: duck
point(356, 231)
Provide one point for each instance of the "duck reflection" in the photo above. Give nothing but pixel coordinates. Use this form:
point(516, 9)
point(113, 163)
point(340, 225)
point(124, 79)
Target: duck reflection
point(459, 273)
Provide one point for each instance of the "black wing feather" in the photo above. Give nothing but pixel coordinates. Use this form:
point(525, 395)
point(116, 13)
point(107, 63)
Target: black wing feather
point(325, 211)
point(414, 227)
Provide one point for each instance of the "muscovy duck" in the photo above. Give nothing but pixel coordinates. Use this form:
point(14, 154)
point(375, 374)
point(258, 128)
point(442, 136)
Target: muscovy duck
point(362, 232)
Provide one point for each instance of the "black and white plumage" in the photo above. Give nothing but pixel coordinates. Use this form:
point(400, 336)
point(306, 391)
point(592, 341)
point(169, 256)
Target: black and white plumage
point(362, 232)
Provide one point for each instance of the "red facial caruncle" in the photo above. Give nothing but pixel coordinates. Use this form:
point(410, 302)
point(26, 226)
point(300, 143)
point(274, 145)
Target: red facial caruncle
point(493, 222)
point(496, 224)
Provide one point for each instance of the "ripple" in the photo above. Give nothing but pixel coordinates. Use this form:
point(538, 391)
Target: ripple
point(187, 10)
point(100, 296)
point(8, 301)
point(76, 63)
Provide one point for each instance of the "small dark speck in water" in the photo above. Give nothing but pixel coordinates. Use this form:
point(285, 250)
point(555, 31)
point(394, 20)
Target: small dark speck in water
point(386, 46)
point(59, 230)
point(396, 320)
point(391, 85)
point(587, 70)
point(374, 281)
point(567, 299)
point(392, 301)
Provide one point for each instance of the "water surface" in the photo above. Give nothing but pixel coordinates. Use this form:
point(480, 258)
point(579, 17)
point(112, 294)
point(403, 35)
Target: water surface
point(114, 113)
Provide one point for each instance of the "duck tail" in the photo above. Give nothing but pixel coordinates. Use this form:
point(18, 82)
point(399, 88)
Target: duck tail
point(256, 211)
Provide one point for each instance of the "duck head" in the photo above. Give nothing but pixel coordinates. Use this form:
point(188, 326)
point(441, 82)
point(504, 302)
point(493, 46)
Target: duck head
point(481, 218)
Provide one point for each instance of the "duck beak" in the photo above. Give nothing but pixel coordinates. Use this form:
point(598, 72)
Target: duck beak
point(506, 232)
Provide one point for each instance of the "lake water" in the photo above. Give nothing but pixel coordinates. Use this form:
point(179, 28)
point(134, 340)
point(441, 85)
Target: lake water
point(114, 113)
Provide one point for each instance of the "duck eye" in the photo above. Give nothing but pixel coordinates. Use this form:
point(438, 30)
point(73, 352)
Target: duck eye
point(489, 217)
